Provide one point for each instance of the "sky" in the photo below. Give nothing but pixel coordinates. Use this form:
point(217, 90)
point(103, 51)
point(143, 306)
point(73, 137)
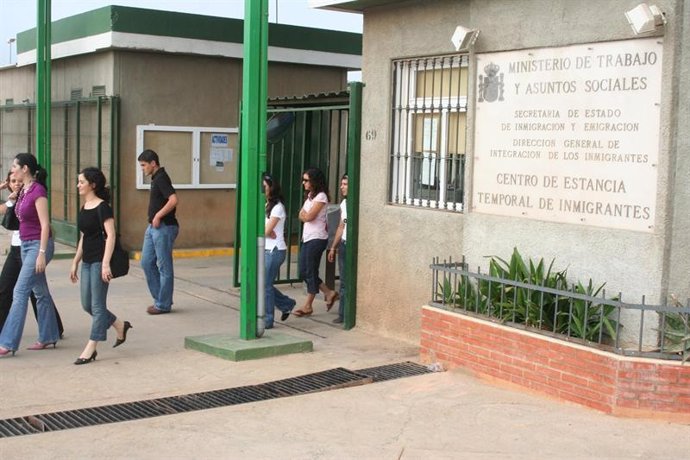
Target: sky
point(20, 15)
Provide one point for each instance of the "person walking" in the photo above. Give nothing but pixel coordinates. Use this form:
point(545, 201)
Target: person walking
point(338, 247)
point(275, 251)
point(95, 248)
point(163, 228)
point(314, 240)
point(37, 251)
point(13, 261)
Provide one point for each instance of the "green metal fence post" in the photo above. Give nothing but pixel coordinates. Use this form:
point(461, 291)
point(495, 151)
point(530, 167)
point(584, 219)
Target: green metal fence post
point(99, 130)
point(253, 150)
point(354, 136)
point(43, 43)
point(114, 161)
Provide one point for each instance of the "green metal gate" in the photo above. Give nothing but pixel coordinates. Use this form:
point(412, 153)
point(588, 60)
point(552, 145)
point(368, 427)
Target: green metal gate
point(85, 132)
point(309, 132)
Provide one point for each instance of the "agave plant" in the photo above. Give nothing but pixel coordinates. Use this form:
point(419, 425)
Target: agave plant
point(465, 296)
point(524, 305)
point(531, 306)
point(676, 332)
point(587, 319)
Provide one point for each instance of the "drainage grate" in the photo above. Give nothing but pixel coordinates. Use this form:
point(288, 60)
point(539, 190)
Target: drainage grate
point(321, 381)
point(311, 383)
point(394, 371)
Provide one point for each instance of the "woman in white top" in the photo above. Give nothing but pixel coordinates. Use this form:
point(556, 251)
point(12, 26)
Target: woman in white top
point(338, 247)
point(275, 252)
point(314, 239)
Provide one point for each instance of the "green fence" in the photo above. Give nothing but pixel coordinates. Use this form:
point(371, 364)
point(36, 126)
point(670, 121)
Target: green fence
point(85, 132)
point(300, 137)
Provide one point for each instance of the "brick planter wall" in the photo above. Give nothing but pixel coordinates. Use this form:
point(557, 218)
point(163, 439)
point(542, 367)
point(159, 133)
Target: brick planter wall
point(604, 381)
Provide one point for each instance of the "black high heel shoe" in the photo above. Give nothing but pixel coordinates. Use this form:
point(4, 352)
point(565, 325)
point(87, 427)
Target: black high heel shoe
point(81, 361)
point(127, 327)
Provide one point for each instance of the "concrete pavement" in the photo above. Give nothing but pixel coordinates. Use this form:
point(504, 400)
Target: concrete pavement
point(442, 415)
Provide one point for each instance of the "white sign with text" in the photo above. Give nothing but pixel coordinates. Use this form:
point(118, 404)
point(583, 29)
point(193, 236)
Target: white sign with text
point(570, 134)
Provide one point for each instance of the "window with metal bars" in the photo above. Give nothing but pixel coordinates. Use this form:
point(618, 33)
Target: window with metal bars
point(98, 90)
point(427, 161)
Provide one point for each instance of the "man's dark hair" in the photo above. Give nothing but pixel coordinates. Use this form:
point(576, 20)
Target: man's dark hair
point(149, 156)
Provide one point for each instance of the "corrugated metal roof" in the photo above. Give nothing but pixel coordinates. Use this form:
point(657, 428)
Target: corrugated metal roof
point(315, 99)
point(350, 6)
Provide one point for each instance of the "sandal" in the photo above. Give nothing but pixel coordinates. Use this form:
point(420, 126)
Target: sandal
point(334, 297)
point(300, 313)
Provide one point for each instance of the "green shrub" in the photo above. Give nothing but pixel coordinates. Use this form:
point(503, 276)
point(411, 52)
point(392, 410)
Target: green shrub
point(675, 332)
point(588, 320)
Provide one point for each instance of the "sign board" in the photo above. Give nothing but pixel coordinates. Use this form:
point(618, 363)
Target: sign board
point(570, 134)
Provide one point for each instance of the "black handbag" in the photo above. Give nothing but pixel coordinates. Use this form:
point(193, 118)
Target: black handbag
point(119, 261)
point(10, 220)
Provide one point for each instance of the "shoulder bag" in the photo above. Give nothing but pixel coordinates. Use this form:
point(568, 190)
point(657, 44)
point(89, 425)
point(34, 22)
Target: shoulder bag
point(119, 262)
point(9, 220)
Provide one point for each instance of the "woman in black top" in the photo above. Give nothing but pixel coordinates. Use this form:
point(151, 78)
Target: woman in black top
point(96, 219)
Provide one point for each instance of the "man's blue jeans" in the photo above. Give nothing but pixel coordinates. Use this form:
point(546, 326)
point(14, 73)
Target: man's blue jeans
point(94, 293)
point(157, 263)
point(30, 280)
point(273, 297)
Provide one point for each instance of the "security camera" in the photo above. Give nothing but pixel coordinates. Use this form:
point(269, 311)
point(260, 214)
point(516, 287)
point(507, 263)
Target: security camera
point(463, 38)
point(645, 18)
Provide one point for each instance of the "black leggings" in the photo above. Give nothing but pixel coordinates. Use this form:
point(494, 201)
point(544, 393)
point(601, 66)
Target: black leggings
point(8, 278)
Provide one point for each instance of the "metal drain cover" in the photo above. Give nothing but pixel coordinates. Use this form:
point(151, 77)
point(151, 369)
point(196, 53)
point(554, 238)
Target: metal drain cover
point(321, 381)
point(311, 383)
point(394, 371)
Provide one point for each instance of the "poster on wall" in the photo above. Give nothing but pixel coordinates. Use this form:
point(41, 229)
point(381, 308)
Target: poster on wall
point(570, 134)
point(220, 152)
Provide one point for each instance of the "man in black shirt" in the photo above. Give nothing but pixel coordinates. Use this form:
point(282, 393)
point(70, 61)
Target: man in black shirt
point(156, 253)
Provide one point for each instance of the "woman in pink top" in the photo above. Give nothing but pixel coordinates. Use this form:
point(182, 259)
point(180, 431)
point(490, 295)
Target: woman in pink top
point(37, 251)
point(314, 239)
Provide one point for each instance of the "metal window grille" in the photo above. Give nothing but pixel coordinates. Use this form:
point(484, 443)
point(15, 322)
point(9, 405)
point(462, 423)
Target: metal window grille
point(98, 90)
point(429, 116)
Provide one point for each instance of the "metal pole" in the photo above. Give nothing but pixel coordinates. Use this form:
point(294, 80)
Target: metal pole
point(99, 129)
point(354, 136)
point(43, 43)
point(253, 151)
point(261, 277)
point(9, 42)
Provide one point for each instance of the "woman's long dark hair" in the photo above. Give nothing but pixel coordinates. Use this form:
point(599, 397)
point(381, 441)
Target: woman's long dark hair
point(275, 194)
point(96, 177)
point(318, 183)
point(39, 174)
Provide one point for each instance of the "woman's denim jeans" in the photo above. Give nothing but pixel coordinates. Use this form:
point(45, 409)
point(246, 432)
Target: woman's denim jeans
point(94, 293)
point(309, 261)
point(157, 263)
point(342, 257)
point(273, 297)
point(30, 280)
